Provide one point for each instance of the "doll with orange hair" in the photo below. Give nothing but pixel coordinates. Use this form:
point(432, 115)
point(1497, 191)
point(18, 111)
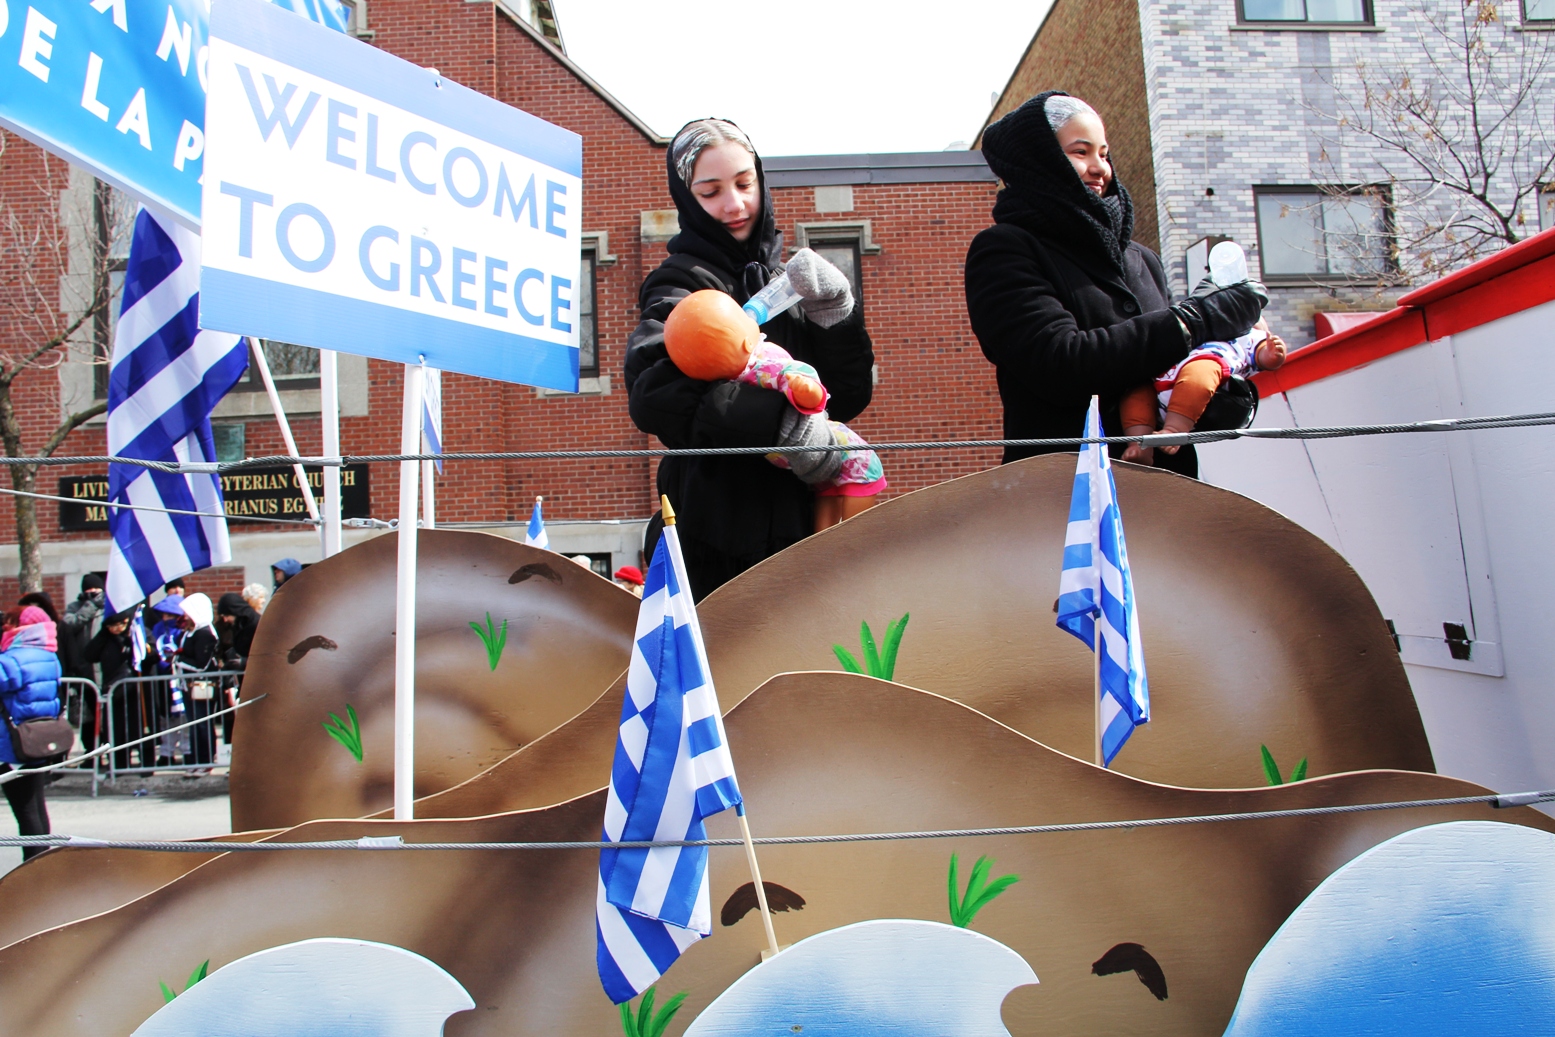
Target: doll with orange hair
point(709, 337)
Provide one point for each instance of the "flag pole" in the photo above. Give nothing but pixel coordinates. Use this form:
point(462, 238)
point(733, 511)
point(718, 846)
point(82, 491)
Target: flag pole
point(329, 387)
point(286, 433)
point(1096, 696)
point(745, 828)
point(405, 605)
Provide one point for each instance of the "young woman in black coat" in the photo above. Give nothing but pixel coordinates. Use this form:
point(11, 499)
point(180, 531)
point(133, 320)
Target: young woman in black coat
point(1065, 304)
point(734, 511)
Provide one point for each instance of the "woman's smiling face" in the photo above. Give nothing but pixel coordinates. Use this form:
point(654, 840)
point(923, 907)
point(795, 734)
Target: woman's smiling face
point(1084, 142)
point(725, 183)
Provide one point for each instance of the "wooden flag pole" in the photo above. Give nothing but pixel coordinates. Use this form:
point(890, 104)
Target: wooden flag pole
point(761, 890)
point(745, 828)
point(1096, 695)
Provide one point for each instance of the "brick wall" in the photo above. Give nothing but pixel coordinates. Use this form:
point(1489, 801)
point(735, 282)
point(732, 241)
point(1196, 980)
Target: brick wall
point(933, 381)
point(1091, 49)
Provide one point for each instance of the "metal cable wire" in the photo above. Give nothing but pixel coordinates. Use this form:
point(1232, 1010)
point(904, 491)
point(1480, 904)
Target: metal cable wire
point(1517, 799)
point(1159, 439)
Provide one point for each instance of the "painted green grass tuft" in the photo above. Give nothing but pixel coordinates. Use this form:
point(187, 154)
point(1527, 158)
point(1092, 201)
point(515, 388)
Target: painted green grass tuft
point(492, 639)
point(645, 1023)
point(1271, 770)
point(979, 891)
point(877, 663)
point(168, 993)
point(347, 732)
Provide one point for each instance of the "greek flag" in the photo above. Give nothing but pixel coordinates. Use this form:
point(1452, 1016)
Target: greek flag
point(1096, 584)
point(535, 535)
point(672, 769)
point(432, 413)
point(165, 377)
point(138, 648)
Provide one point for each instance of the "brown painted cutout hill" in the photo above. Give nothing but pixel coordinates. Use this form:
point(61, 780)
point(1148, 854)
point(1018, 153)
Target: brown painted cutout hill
point(817, 752)
point(328, 639)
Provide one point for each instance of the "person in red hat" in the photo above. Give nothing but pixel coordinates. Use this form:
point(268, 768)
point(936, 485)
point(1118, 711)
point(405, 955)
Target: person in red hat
point(629, 577)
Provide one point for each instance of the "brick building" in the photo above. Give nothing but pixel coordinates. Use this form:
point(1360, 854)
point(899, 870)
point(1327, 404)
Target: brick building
point(900, 224)
point(1234, 119)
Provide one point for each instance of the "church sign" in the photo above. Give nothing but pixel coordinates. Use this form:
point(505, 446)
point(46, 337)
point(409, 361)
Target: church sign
point(251, 493)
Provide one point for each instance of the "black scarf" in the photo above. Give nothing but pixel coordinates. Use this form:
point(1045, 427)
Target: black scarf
point(751, 262)
point(1044, 195)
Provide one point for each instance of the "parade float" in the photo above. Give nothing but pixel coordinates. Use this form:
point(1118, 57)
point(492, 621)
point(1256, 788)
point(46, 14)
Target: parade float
point(438, 725)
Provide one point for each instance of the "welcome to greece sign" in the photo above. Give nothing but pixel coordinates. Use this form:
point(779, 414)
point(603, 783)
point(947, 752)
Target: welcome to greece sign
point(354, 201)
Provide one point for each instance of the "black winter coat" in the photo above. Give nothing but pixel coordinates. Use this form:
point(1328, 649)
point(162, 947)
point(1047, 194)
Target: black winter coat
point(1059, 330)
point(732, 511)
point(114, 652)
point(1065, 305)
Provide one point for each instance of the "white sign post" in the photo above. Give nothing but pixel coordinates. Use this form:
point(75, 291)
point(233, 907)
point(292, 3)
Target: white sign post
point(356, 202)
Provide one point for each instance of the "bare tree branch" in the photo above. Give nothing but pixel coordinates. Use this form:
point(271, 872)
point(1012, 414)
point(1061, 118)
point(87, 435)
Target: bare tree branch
point(1463, 138)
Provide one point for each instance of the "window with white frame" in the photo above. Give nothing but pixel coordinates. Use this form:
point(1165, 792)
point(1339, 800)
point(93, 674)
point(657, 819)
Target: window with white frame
point(1318, 12)
point(1323, 233)
point(1545, 197)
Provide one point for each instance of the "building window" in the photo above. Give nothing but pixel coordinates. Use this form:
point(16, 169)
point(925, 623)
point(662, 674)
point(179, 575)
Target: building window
point(844, 245)
point(588, 327)
point(1321, 12)
point(229, 441)
point(113, 226)
point(1539, 10)
point(292, 367)
point(1310, 234)
point(1546, 199)
point(844, 255)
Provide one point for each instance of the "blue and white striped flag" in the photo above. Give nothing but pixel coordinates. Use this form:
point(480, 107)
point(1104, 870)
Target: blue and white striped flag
point(535, 535)
point(432, 412)
point(1096, 585)
point(672, 769)
point(165, 377)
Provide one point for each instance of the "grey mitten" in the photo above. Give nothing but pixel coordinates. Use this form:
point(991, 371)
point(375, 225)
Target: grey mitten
point(827, 297)
point(812, 466)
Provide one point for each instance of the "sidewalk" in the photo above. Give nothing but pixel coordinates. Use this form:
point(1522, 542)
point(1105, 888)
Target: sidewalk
point(158, 806)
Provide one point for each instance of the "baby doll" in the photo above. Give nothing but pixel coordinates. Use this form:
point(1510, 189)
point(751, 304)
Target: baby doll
point(1175, 401)
point(709, 337)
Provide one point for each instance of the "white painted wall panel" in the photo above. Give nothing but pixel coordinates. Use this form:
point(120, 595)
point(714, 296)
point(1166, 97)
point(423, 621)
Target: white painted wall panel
point(1455, 527)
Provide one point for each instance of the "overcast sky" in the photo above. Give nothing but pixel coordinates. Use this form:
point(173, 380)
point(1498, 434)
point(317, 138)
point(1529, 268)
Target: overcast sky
point(806, 77)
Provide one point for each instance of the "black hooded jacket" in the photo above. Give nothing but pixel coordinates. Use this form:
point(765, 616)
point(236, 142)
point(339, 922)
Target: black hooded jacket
point(237, 640)
point(732, 511)
point(1065, 305)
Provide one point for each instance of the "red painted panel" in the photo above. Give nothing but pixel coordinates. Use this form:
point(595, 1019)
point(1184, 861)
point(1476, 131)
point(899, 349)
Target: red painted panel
point(1520, 289)
point(1392, 332)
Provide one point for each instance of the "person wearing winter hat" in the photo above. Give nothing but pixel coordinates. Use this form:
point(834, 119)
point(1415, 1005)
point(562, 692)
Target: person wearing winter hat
point(734, 511)
point(29, 690)
point(284, 570)
point(113, 648)
point(1064, 303)
point(76, 629)
point(630, 578)
point(196, 651)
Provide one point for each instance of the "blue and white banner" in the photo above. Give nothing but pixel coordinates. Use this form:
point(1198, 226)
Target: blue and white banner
point(672, 769)
point(535, 535)
point(118, 87)
point(1096, 592)
point(432, 412)
point(354, 201)
point(165, 377)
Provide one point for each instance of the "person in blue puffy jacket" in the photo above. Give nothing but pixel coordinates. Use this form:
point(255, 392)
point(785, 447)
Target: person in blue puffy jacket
point(29, 690)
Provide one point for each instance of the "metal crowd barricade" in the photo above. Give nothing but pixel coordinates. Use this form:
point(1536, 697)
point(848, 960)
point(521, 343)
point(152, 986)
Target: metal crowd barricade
point(73, 699)
point(152, 715)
